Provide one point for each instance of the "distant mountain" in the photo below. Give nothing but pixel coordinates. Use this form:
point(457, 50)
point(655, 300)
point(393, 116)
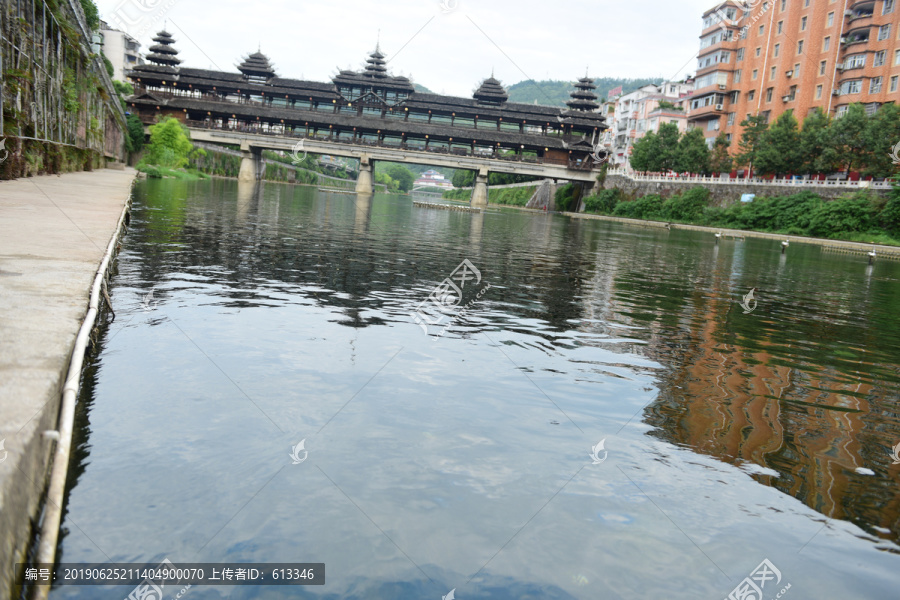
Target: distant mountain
point(422, 88)
point(556, 93)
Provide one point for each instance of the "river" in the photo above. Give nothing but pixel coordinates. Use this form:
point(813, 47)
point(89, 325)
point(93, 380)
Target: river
point(605, 420)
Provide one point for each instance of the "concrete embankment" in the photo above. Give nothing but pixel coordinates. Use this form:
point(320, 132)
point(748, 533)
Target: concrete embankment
point(54, 231)
point(833, 245)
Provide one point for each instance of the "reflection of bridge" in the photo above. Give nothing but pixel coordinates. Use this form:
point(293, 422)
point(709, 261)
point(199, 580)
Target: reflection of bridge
point(370, 115)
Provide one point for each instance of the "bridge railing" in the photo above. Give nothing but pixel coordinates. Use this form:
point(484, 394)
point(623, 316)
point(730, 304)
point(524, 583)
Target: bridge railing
point(260, 129)
point(725, 179)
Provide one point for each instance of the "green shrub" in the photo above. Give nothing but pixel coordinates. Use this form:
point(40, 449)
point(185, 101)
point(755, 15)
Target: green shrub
point(686, 206)
point(642, 208)
point(603, 203)
point(849, 214)
point(565, 196)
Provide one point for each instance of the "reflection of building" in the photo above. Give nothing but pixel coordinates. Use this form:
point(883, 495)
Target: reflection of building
point(122, 50)
point(780, 56)
point(642, 111)
point(432, 178)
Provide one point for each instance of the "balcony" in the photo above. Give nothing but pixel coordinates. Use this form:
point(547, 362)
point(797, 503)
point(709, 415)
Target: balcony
point(709, 111)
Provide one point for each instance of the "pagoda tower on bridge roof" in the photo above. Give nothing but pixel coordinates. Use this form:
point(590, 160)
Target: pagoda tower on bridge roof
point(491, 91)
point(256, 67)
point(583, 96)
point(376, 65)
point(162, 53)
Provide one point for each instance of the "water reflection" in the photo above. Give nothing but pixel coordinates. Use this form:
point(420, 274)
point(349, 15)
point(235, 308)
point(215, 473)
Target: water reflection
point(450, 447)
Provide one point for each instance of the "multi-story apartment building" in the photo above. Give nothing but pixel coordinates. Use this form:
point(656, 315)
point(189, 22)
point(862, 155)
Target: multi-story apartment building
point(122, 50)
point(642, 111)
point(769, 57)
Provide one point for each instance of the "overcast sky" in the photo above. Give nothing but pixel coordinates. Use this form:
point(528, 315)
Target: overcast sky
point(448, 46)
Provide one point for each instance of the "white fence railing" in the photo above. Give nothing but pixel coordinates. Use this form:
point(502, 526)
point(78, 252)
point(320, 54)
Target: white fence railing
point(826, 183)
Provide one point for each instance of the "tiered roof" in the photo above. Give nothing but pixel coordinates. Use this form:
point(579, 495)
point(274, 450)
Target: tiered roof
point(491, 91)
point(583, 96)
point(375, 73)
point(375, 65)
point(257, 66)
point(162, 53)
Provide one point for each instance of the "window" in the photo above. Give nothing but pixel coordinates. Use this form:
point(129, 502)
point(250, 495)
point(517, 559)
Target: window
point(800, 47)
point(769, 93)
point(758, 52)
point(840, 112)
point(888, 7)
point(737, 76)
point(797, 71)
point(712, 125)
point(740, 54)
point(777, 50)
point(875, 85)
point(878, 61)
point(803, 22)
point(822, 66)
point(756, 72)
point(871, 108)
point(851, 87)
point(855, 60)
point(826, 44)
point(731, 117)
point(830, 20)
point(894, 83)
point(896, 57)
point(762, 29)
point(783, 4)
point(780, 26)
point(884, 32)
point(772, 73)
point(805, 3)
point(751, 95)
point(819, 92)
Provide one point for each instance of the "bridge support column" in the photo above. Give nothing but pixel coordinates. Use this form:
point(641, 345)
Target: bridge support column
point(250, 163)
point(480, 191)
point(365, 181)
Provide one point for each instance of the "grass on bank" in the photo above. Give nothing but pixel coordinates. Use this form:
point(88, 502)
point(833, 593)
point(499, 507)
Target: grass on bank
point(160, 172)
point(860, 216)
point(518, 196)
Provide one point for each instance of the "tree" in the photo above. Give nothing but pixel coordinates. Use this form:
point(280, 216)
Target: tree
point(463, 178)
point(692, 155)
point(848, 139)
point(644, 153)
point(720, 160)
point(882, 134)
point(668, 147)
point(778, 150)
point(91, 14)
point(169, 145)
point(402, 176)
point(754, 127)
point(813, 143)
point(134, 140)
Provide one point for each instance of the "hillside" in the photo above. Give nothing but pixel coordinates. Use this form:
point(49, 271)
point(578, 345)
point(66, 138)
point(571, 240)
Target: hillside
point(556, 93)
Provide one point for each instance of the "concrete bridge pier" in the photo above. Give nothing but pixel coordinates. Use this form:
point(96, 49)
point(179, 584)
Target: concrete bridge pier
point(250, 163)
point(365, 182)
point(480, 191)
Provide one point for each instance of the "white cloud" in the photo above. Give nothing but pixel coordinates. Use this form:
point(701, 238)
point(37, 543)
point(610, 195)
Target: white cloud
point(517, 39)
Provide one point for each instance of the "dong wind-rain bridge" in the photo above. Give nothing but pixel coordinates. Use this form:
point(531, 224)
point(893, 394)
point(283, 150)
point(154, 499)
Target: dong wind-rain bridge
point(371, 115)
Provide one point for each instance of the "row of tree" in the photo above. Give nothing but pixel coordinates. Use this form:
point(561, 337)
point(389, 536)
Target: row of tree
point(856, 141)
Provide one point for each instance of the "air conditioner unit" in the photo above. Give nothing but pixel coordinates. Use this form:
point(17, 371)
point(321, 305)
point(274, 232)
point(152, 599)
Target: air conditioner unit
point(785, 98)
point(839, 67)
point(719, 107)
point(848, 13)
point(789, 73)
point(722, 86)
point(835, 92)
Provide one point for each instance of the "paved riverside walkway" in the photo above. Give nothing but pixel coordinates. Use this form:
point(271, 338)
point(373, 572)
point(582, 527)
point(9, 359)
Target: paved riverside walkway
point(54, 231)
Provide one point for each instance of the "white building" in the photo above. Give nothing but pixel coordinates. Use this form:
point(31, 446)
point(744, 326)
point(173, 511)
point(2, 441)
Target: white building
point(122, 50)
point(644, 110)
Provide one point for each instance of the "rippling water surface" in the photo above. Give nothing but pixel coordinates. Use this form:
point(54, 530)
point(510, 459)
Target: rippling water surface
point(249, 319)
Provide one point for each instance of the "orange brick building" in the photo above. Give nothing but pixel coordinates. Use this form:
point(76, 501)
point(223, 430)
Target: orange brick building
point(770, 57)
